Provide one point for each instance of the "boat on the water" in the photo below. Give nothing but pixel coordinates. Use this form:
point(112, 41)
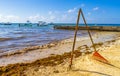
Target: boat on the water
point(26, 24)
point(41, 23)
point(51, 23)
point(8, 23)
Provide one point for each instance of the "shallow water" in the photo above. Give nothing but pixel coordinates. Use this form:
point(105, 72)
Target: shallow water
point(13, 37)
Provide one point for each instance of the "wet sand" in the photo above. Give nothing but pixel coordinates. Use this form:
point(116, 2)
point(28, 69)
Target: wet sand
point(83, 65)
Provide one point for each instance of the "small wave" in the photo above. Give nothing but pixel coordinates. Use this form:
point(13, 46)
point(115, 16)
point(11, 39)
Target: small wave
point(20, 37)
point(18, 32)
point(4, 39)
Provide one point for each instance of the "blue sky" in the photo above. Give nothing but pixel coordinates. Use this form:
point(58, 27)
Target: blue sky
point(60, 11)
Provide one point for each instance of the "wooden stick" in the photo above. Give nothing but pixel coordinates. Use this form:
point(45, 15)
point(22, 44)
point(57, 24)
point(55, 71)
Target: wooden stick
point(76, 28)
point(88, 30)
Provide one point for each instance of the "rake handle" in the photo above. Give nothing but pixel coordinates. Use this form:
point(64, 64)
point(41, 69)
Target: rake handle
point(88, 30)
point(76, 28)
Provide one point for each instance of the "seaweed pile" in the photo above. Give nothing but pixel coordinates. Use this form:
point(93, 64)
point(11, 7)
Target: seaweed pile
point(19, 68)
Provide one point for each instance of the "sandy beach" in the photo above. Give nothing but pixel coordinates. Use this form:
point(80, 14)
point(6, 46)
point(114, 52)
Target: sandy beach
point(59, 38)
point(53, 59)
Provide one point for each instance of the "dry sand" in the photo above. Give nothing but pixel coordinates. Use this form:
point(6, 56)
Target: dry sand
point(83, 65)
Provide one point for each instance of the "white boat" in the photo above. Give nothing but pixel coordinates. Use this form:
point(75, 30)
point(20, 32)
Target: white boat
point(41, 23)
point(8, 23)
point(26, 24)
point(51, 23)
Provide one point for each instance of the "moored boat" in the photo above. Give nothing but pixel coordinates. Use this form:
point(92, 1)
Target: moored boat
point(41, 23)
point(26, 24)
point(8, 23)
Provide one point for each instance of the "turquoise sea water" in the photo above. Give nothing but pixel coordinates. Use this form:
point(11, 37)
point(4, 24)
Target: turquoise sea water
point(13, 37)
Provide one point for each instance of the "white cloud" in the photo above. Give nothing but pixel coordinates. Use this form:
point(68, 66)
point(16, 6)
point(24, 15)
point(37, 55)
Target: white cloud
point(89, 13)
point(42, 18)
point(9, 18)
point(95, 9)
point(37, 17)
point(68, 18)
point(64, 17)
point(1, 15)
point(34, 17)
point(52, 17)
point(71, 10)
point(82, 5)
point(50, 12)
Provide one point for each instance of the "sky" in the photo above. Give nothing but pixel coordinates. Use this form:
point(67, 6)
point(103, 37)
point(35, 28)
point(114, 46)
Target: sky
point(60, 11)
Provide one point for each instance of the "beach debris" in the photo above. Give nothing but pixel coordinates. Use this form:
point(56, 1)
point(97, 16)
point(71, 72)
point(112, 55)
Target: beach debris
point(19, 68)
point(84, 49)
point(56, 71)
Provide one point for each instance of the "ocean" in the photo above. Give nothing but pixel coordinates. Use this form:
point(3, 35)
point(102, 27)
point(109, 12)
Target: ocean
point(15, 37)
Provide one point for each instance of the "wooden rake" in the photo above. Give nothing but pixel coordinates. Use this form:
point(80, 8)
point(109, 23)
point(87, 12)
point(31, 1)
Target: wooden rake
point(95, 55)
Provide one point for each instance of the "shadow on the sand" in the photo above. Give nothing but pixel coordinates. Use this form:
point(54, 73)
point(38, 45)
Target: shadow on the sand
point(109, 64)
point(98, 72)
point(113, 65)
point(92, 72)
